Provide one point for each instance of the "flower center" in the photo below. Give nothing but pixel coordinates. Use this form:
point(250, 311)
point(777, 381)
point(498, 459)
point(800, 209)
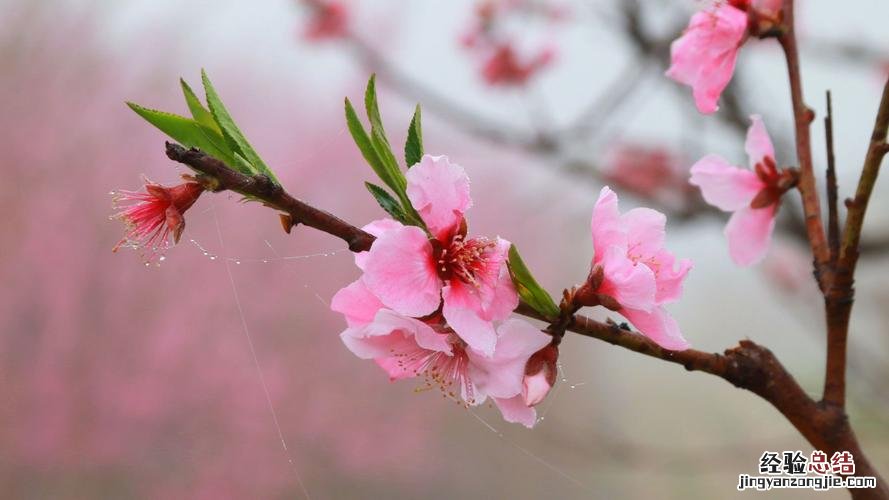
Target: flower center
point(466, 260)
point(447, 373)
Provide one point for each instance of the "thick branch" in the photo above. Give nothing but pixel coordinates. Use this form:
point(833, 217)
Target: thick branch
point(748, 366)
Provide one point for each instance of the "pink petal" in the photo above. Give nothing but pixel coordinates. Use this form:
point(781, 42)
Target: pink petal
point(535, 388)
point(439, 191)
point(514, 410)
point(632, 285)
point(463, 311)
point(356, 303)
point(501, 374)
point(499, 300)
point(376, 228)
point(669, 278)
point(645, 231)
point(758, 144)
point(704, 56)
point(749, 232)
point(724, 186)
point(400, 271)
point(424, 335)
point(605, 225)
point(382, 338)
point(657, 325)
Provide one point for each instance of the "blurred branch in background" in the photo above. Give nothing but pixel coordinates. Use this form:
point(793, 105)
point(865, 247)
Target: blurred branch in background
point(628, 18)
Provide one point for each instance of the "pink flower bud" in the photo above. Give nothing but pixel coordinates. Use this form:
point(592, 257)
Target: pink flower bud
point(540, 375)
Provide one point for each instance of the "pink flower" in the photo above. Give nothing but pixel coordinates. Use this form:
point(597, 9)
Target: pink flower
point(157, 214)
point(406, 347)
point(752, 194)
point(704, 56)
point(416, 275)
point(330, 19)
point(632, 273)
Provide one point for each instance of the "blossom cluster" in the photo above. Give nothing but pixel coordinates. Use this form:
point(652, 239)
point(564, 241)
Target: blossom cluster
point(436, 305)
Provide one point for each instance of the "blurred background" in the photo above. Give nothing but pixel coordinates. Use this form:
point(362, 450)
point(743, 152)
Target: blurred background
point(119, 380)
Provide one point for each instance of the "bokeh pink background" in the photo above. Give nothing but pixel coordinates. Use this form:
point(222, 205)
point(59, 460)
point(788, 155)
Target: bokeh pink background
point(124, 381)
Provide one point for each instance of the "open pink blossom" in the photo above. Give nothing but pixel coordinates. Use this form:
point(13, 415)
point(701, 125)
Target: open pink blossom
point(753, 195)
point(704, 56)
point(406, 347)
point(154, 216)
point(632, 272)
point(466, 278)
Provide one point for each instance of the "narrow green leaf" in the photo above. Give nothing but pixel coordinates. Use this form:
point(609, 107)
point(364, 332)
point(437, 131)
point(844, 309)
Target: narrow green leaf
point(231, 132)
point(187, 132)
point(371, 105)
point(528, 288)
point(362, 140)
point(413, 147)
point(198, 111)
point(379, 141)
point(386, 201)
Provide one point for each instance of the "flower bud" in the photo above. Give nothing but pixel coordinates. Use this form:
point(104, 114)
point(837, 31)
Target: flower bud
point(540, 375)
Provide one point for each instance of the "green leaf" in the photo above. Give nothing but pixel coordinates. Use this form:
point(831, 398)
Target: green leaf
point(386, 201)
point(528, 288)
point(232, 133)
point(362, 140)
point(371, 106)
point(188, 132)
point(198, 111)
point(413, 147)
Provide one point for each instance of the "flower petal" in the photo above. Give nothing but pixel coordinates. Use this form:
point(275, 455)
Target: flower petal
point(376, 228)
point(463, 311)
point(400, 271)
point(758, 144)
point(659, 326)
point(749, 232)
point(724, 186)
point(605, 225)
point(439, 191)
point(630, 284)
point(645, 231)
point(501, 374)
point(704, 56)
point(668, 277)
point(514, 410)
point(356, 303)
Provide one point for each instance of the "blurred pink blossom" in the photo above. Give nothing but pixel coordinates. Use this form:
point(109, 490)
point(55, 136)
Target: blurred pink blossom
point(328, 19)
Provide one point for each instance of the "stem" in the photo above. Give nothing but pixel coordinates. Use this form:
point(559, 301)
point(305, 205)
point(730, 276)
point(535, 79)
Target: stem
point(802, 117)
point(839, 298)
point(833, 218)
point(748, 366)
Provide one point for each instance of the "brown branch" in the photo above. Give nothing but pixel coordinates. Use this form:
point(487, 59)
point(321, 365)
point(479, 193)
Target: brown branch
point(220, 177)
point(802, 117)
point(840, 296)
point(748, 366)
point(833, 218)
